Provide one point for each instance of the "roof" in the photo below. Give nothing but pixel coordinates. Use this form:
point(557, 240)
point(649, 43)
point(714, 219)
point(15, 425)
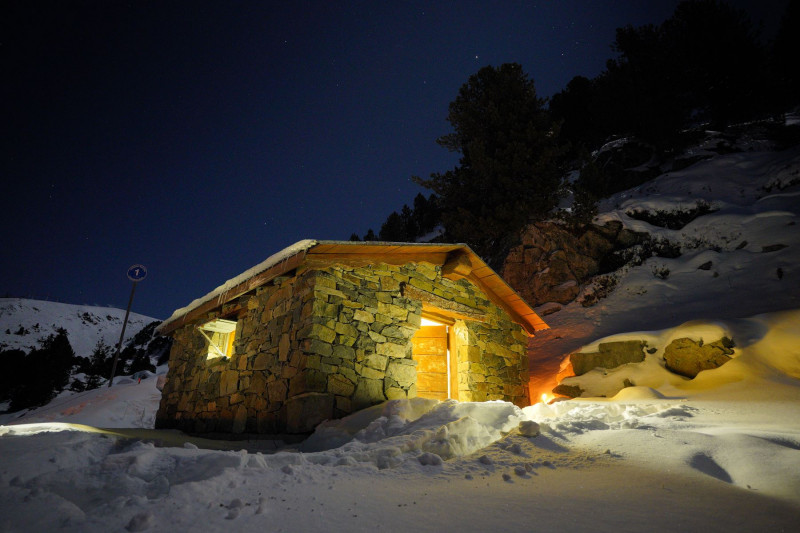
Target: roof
point(459, 258)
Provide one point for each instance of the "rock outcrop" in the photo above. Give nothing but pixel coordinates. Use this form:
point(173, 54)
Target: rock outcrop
point(688, 358)
point(552, 264)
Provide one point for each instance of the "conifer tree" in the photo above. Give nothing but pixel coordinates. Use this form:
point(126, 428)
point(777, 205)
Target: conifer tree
point(508, 172)
point(45, 372)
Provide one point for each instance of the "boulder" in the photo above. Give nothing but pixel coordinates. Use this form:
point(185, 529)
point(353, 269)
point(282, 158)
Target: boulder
point(610, 355)
point(570, 391)
point(688, 358)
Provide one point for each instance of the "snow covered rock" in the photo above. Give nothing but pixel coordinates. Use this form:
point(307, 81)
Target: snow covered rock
point(528, 428)
point(570, 391)
point(688, 358)
point(609, 355)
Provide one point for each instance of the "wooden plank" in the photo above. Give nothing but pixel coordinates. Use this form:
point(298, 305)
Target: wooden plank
point(437, 315)
point(322, 248)
point(452, 342)
point(431, 332)
point(402, 247)
point(360, 259)
point(483, 272)
point(229, 347)
point(432, 381)
point(430, 395)
point(458, 266)
point(437, 249)
point(503, 290)
point(429, 346)
point(431, 363)
point(361, 249)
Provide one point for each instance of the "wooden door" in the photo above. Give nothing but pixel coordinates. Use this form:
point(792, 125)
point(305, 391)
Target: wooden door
point(429, 350)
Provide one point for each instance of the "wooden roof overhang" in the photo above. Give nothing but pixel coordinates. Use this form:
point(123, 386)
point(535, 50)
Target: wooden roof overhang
point(457, 261)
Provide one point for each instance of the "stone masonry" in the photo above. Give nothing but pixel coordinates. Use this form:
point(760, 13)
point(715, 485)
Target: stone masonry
point(325, 341)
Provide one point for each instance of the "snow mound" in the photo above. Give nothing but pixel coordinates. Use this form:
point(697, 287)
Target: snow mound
point(130, 403)
point(637, 393)
point(404, 429)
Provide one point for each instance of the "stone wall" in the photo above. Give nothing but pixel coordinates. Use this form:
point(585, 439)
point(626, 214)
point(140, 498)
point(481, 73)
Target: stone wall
point(492, 363)
point(246, 392)
point(331, 340)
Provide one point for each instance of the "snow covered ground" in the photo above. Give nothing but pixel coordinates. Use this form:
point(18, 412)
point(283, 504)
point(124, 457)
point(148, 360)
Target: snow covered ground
point(717, 453)
point(721, 452)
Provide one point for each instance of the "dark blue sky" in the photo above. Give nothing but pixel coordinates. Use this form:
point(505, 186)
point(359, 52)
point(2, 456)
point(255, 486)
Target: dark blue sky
point(199, 138)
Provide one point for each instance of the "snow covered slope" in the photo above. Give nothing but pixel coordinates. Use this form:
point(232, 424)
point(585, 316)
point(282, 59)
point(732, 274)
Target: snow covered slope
point(23, 322)
point(740, 260)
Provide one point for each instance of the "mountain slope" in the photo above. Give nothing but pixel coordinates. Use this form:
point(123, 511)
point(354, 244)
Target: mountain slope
point(23, 322)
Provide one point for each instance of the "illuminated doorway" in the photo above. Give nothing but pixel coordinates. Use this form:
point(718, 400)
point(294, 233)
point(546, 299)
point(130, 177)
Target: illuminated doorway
point(433, 348)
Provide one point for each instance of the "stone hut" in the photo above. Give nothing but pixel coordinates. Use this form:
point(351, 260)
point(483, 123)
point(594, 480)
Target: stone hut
point(325, 328)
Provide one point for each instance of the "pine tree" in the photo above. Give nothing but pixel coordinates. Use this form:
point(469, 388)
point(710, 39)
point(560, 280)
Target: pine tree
point(394, 229)
point(13, 362)
point(508, 172)
point(45, 372)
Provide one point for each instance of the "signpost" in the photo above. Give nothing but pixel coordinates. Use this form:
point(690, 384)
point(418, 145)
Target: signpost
point(136, 273)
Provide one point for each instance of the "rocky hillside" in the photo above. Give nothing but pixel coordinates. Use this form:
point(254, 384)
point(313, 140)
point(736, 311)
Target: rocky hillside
point(718, 238)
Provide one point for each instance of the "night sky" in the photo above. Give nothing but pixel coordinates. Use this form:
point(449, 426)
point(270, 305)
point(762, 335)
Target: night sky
point(198, 138)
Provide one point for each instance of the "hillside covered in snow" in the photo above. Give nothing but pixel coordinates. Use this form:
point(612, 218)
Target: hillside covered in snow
point(24, 322)
point(51, 350)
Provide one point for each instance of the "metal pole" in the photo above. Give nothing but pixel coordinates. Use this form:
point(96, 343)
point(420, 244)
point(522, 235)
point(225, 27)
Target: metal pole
point(122, 336)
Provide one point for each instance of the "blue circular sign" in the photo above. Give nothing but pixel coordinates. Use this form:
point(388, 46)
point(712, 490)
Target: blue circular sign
point(137, 273)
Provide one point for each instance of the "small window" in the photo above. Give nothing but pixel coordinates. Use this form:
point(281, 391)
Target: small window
point(220, 334)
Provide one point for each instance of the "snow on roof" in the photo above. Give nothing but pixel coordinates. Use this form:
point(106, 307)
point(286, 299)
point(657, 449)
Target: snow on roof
point(274, 259)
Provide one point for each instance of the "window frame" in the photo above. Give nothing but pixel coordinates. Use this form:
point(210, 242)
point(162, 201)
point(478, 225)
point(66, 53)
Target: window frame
point(221, 339)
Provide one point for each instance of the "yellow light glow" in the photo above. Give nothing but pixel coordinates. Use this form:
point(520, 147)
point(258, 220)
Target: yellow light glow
point(545, 397)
